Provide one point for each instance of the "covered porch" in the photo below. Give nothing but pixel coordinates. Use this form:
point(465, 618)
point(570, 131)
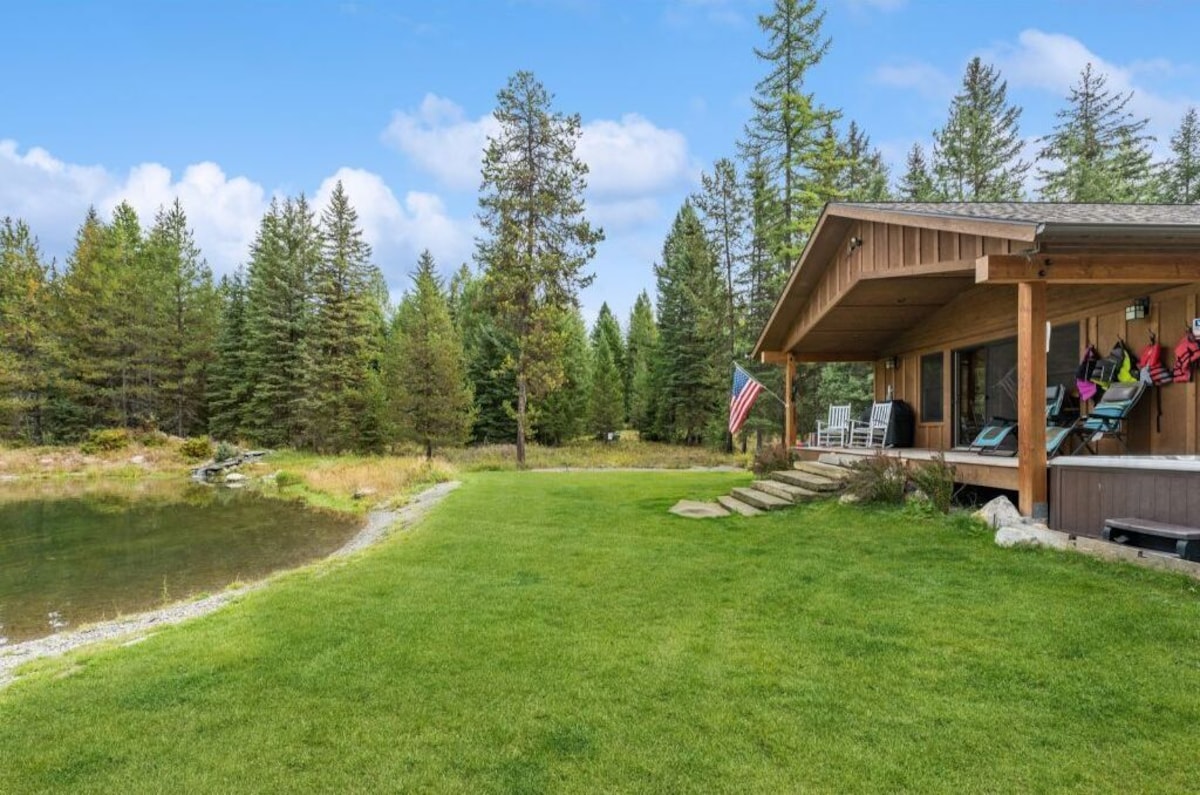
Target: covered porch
point(913, 288)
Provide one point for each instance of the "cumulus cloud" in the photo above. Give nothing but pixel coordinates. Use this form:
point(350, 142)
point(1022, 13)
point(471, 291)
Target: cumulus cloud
point(926, 79)
point(442, 141)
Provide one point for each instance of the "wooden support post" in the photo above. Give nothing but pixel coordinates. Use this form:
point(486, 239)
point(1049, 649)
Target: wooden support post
point(1031, 398)
point(789, 408)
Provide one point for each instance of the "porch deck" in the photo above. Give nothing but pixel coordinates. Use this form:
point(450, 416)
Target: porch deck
point(997, 472)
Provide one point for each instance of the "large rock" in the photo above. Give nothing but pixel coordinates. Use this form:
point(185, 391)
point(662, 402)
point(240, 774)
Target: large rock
point(698, 510)
point(999, 512)
point(1037, 535)
point(234, 477)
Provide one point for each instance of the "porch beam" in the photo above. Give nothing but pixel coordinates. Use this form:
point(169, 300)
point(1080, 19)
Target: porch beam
point(773, 357)
point(953, 267)
point(1180, 268)
point(1031, 397)
point(789, 409)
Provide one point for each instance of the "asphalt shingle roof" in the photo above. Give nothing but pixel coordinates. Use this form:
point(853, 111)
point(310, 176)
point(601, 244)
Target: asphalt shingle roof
point(1048, 212)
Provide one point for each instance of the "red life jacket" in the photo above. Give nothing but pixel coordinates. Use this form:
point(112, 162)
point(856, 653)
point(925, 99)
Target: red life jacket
point(1187, 354)
point(1151, 364)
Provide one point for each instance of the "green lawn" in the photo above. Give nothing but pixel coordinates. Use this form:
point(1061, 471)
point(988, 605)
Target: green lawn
point(563, 633)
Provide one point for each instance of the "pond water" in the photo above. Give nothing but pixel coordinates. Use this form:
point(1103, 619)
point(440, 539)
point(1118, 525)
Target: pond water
point(87, 557)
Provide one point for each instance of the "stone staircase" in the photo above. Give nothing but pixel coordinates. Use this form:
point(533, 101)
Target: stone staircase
point(807, 480)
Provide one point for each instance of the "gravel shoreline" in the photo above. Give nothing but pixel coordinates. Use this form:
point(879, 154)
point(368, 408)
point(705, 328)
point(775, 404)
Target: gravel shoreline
point(132, 629)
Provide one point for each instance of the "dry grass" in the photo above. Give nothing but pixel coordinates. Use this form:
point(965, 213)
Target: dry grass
point(629, 452)
point(39, 462)
point(334, 481)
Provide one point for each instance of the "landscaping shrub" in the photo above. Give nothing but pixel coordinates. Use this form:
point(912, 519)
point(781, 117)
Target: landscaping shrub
point(880, 478)
point(105, 441)
point(936, 480)
point(197, 448)
point(772, 458)
point(225, 451)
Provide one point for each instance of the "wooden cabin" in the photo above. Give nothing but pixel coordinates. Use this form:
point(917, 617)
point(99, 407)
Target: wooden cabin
point(969, 310)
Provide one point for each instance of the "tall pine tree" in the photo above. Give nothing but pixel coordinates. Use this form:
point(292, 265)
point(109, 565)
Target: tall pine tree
point(564, 410)
point(606, 405)
point(1181, 173)
point(865, 176)
point(917, 184)
point(27, 341)
point(641, 343)
point(228, 384)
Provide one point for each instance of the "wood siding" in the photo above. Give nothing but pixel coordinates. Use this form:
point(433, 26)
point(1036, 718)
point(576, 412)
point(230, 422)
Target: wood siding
point(1081, 498)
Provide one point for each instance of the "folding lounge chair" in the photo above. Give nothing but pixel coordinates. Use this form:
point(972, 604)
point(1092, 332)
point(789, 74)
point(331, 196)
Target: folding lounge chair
point(872, 432)
point(834, 430)
point(1108, 418)
point(992, 439)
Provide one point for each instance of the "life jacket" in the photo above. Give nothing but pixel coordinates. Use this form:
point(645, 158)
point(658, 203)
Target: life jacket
point(1187, 354)
point(1151, 367)
point(1083, 374)
point(1116, 366)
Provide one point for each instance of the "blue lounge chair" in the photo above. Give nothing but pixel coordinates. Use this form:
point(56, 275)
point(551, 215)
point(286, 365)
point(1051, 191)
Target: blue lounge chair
point(1109, 416)
point(998, 437)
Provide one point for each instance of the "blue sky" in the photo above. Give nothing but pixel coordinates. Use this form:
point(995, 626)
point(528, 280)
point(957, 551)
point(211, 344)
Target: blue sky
point(226, 104)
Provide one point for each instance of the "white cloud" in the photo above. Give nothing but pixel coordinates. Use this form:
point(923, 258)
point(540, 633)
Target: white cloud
point(926, 79)
point(442, 141)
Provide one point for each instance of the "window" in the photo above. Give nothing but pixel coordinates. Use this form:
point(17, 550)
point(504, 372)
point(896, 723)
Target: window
point(931, 387)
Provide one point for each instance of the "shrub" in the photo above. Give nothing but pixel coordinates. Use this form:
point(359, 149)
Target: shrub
point(105, 440)
point(936, 480)
point(225, 451)
point(772, 458)
point(197, 448)
point(285, 479)
point(880, 478)
point(154, 439)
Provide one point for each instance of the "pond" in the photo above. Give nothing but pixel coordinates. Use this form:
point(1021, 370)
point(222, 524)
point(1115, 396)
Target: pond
point(68, 560)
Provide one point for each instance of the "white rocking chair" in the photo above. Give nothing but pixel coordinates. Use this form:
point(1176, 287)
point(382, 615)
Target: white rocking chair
point(832, 432)
point(872, 432)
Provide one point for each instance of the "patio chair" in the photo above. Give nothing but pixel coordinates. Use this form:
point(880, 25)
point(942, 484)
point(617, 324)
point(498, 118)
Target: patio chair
point(998, 437)
point(1109, 416)
point(872, 432)
point(834, 429)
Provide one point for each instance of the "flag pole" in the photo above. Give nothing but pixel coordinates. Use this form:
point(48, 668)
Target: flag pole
point(769, 392)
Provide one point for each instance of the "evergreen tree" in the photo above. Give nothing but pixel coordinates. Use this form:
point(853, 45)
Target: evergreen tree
point(27, 343)
point(536, 239)
point(1098, 150)
point(606, 404)
point(722, 206)
point(564, 410)
point(640, 346)
point(865, 176)
point(341, 352)
point(1180, 177)
point(689, 376)
point(787, 129)
point(184, 325)
point(488, 349)
point(917, 184)
point(283, 260)
point(977, 155)
point(425, 369)
point(228, 385)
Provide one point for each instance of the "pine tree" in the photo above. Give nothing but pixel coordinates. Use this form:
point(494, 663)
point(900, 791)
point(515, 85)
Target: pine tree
point(865, 176)
point(606, 404)
point(977, 155)
point(425, 369)
point(184, 325)
point(283, 260)
point(788, 126)
point(688, 376)
point(228, 387)
point(640, 346)
point(564, 410)
point(723, 208)
point(917, 183)
point(27, 341)
point(536, 239)
point(487, 350)
point(343, 348)
point(1098, 150)
point(1180, 177)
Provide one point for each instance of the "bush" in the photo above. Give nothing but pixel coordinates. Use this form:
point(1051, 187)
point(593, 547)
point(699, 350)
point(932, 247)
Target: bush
point(936, 480)
point(105, 440)
point(285, 479)
point(880, 478)
point(225, 451)
point(154, 439)
point(197, 448)
point(772, 458)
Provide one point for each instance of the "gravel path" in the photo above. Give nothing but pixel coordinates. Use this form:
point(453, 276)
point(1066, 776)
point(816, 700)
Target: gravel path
point(134, 628)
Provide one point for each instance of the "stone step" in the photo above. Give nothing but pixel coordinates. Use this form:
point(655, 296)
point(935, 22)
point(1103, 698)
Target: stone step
point(784, 491)
point(838, 459)
point(759, 499)
point(807, 480)
point(824, 470)
point(737, 506)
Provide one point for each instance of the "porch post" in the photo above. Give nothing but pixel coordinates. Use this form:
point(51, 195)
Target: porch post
point(1031, 397)
point(789, 409)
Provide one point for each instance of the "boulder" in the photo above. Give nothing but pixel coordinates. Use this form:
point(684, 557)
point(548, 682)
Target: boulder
point(999, 512)
point(235, 477)
point(362, 492)
point(1037, 535)
point(698, 510)
point(849, 499)
point(138, 459)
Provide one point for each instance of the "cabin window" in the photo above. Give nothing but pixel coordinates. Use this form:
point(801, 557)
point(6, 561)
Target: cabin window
point(931, 387)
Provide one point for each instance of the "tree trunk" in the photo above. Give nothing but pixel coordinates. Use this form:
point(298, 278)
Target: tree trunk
point(428, 449)
point(521, 400)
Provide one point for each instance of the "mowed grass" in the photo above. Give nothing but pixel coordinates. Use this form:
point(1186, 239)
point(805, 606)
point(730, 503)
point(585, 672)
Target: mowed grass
point(560, 632)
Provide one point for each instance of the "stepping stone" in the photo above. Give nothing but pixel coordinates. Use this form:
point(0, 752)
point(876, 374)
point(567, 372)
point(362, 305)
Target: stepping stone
point(784, 491)
point(698, 510)
point(824, 470)
point(760, 499)
point(737, 506)
point(807, 480)
point(838, 459)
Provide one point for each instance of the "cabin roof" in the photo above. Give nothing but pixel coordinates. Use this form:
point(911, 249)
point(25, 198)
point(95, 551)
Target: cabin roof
point(1048, 213)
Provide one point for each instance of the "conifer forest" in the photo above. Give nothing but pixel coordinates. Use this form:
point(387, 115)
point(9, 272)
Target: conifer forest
point(302, 347)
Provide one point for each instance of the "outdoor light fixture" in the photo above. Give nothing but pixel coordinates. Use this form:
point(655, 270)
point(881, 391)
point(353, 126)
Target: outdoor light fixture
point(1137, 309)
point(855, 243)
point(890, 363)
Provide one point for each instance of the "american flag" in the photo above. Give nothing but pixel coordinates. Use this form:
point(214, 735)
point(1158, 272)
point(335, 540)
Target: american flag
point(745, 392)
